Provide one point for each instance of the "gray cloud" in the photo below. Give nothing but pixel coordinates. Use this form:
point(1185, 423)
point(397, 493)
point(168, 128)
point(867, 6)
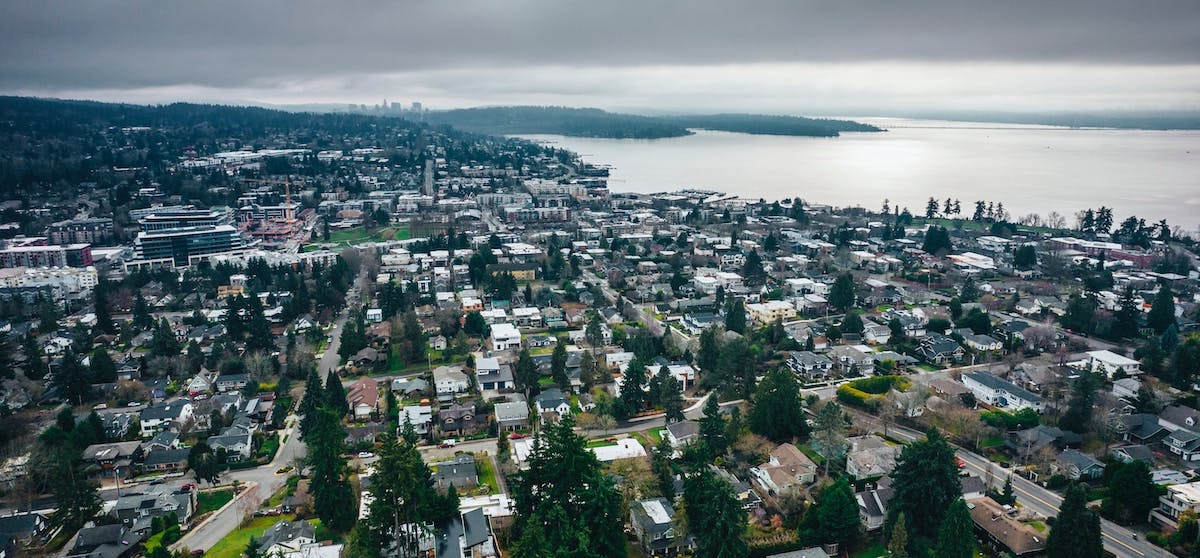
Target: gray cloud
point(308, 50)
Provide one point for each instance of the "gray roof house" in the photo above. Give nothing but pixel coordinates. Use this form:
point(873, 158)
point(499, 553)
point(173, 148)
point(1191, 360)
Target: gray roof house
point(459, 472)
point(1076, 465)
point(998, 392)
point(654, 526)
point(512, 415)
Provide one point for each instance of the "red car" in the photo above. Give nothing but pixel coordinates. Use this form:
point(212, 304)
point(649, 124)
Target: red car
point(960, 463)
point(515, 436)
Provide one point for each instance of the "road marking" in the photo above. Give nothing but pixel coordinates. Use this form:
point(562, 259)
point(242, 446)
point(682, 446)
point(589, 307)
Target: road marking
point(1122, 543)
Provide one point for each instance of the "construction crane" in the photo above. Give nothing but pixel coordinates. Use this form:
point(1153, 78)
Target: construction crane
point(289, 214)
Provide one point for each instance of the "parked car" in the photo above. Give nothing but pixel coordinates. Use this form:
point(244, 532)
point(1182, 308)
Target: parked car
point(448, 443)
point(365, 455)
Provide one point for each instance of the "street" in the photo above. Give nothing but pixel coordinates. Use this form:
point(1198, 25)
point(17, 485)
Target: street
point(1117, 539)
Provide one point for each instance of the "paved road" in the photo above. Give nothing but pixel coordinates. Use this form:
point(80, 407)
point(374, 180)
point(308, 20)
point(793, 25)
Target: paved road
point(264, 478)
point(1117, 539)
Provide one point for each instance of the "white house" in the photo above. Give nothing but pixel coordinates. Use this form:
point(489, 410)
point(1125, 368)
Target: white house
point(421, 416)
point(450, 380)
point(1109, 362)
point(161, 416)
point(1001, 393)
point(505, 336)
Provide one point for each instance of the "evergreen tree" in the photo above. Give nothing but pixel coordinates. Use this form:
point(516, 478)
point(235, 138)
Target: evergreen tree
point(103, 310)
point(102, 367)
point(558, 366)
point(335, 395)
point(670, 396)
point(73, 379)
point(712, 428)
point(1076, 531)
point(777, 413)
point(837, 513)
point(841, 294)
point(956, 535)
point(925, 483)
point(333, 498)
point(633, 387)
point(715, 517)
point(898, 542)
point(1125, 320)
point(314, 397)
point(1132, 492)
point(660, 465)
point(564, 503)
point(829, 437)
point(753, 270)
point(587, 371)
point(931, 208)
point(253, 549)
point(526, 374)
point(735, 315)
point(1162, 311)
point(1083, 399)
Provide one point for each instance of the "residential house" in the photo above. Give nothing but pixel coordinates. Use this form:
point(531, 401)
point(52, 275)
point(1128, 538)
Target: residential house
point(982, 343)
point(809, 364)
point(1178, 417)
point(1133, 452)
point(117, 425)
point(1126, 388)
point(1004, 533)
point(1180, 499)
point(465, 536)
point(105, 541)
point(369, 357)
point(236, 440)
point(437, 343)
point(786, 469)
point(1142, 428)
point(161, 416)
point(163, 440)
point(450, 380)
point(491, 375)
point(232, 382)
point(1076, 465)
point(136, 511)
point(1184, 443)
point(420, 416)
point(167, 460)
point(24, 528)
point(765, 313)
point(552, 400)
point(875, 333)
point(1110, 363)
point(286, 537)
point(459, 472)
point(512, 415)
point(112, 459)
point(1030, 441)
point(458, 418)
point(409, 386)
point(653, 524)
point(872, 504)
point(505, 336)
point(853, 359)
point(682, 433)
point(939, 349)
point(363, 398)
point(870, 457)
point(1000, 393)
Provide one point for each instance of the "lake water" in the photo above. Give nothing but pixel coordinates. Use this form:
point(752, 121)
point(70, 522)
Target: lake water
point(1030, 169)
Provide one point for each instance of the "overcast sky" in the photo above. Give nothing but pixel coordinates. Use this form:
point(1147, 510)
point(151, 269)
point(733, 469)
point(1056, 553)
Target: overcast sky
point(792, 56)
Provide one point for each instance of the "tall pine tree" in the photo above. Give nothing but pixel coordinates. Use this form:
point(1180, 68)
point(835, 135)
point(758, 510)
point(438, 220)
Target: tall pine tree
point(1076, 531)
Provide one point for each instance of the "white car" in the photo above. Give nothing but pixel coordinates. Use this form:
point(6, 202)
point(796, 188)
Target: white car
point(365, 455)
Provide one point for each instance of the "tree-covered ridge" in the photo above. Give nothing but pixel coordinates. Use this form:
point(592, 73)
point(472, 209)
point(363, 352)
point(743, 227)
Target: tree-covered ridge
point(62, 143)
point(591, 122)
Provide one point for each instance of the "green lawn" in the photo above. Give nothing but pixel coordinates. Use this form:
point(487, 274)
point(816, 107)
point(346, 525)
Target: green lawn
point(600, 443)
point(359, 235)
point(235, 542)
point(487, 475)
point(212, 501)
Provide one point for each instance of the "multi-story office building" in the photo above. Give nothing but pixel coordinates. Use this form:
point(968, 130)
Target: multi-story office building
point(184, 246)
point(183, 218)
point(95, 230)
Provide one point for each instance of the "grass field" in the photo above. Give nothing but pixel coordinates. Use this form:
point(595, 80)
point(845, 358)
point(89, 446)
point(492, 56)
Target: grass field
point(235, 542)
point(487, 475)
point(212, 501)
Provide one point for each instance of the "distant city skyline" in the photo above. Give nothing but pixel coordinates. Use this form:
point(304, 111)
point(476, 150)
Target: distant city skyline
point(778, 57)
